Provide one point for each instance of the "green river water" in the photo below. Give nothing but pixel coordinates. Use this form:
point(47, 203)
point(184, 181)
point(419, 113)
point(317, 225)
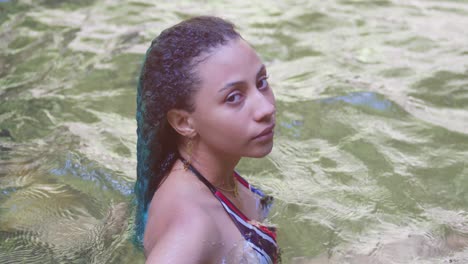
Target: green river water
point(371, 149)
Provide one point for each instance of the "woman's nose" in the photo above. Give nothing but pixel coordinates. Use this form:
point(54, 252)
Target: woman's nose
point(264, 107)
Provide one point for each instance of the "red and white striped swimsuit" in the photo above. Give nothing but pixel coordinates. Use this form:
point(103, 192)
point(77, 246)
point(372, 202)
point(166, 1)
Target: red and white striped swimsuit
point(261, 238)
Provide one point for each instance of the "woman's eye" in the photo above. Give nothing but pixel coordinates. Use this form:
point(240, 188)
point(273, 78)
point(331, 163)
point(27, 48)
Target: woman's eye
point(262, 83)
point(234, 98)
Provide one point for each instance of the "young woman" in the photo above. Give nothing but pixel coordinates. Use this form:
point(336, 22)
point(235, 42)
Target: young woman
point(203, 103)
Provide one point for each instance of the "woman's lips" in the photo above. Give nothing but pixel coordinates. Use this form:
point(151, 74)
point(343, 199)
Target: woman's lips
point(267, 133)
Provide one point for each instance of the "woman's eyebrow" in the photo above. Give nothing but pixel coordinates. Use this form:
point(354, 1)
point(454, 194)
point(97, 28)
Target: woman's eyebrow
point(261, 71)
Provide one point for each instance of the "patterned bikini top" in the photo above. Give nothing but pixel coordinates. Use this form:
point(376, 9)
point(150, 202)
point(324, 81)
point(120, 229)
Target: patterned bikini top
point(261, 238)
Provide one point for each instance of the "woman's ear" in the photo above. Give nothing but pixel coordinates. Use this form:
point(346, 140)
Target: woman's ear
point(181, 121)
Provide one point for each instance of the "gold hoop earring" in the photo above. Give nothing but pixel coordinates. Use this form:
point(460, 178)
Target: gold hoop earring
point(189, 152)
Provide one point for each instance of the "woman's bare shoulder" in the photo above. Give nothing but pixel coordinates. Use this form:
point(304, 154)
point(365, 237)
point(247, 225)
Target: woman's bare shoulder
point(185, 240)
point(179, 209)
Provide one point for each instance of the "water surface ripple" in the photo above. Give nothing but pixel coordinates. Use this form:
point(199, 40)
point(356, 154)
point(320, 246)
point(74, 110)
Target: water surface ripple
point(370, 158)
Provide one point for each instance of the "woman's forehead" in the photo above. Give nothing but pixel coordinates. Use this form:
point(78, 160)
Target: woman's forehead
point(234, 61)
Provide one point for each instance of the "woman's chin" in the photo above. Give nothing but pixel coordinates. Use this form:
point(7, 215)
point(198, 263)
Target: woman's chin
point(261, 152)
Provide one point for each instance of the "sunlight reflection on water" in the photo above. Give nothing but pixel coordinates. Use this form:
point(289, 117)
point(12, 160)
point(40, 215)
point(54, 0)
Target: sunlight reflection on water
point(371, 145)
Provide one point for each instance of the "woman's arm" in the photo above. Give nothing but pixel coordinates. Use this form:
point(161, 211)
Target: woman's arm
point(186, 240)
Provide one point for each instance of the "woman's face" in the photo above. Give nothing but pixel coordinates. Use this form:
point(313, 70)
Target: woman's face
point(234, 103)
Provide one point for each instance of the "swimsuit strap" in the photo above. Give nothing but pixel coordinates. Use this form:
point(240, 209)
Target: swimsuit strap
point(199, 175)
point(228, 206)
point(264, 200)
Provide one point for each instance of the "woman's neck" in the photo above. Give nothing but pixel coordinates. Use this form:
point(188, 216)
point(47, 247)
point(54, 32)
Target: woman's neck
point(217, 168)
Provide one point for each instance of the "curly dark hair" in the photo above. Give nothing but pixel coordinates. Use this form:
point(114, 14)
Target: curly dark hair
point(168, 81)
